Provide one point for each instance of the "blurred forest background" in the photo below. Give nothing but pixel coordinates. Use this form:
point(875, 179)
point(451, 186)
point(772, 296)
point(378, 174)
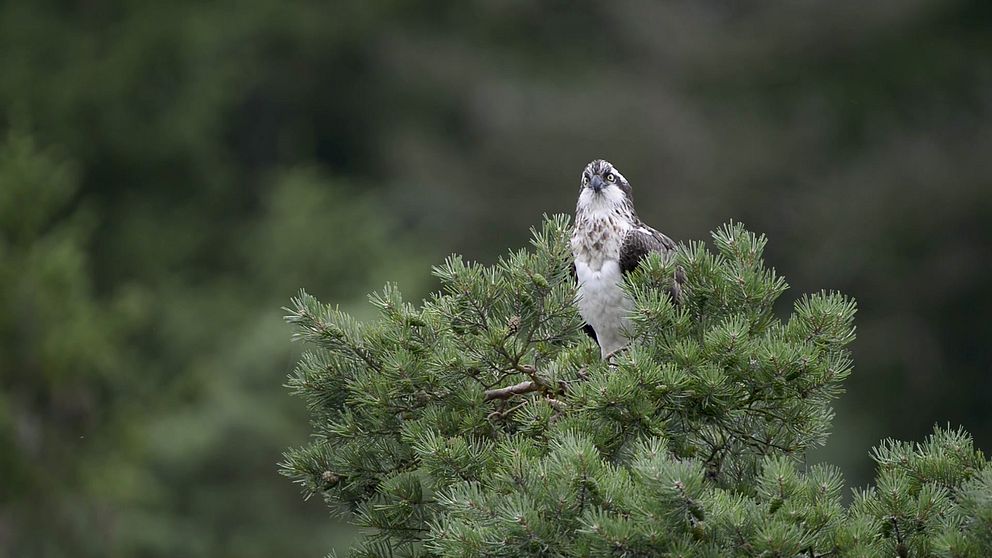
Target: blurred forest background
point(172, 172)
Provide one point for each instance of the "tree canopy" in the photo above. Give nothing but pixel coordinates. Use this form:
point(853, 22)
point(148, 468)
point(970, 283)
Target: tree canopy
point(484, 423)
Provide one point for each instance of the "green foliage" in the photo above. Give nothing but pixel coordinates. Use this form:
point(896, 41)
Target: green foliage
point(59, 363)
point(688, 443)
point(113, 415)
point(211, 154)
point(223, 424)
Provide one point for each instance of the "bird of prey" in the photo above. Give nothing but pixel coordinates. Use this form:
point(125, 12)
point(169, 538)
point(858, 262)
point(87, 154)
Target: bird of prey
point(609, 241)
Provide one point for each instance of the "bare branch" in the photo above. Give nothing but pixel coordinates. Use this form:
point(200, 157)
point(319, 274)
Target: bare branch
point(498, 415)
point(507, 392)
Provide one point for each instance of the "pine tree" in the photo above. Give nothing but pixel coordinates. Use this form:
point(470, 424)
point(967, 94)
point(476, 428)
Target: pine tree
point(61, 368)
point(483, 422)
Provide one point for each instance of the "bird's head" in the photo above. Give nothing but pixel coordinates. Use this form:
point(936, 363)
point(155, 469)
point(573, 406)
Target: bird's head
point(603, 188)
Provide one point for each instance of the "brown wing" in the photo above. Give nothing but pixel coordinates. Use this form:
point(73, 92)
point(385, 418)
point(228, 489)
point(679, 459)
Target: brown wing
point(640, 242)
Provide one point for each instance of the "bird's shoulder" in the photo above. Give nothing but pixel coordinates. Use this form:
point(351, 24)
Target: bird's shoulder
point(639, 241)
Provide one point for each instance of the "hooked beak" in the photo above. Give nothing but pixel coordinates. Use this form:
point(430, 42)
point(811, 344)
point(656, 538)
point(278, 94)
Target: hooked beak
point(597, 184)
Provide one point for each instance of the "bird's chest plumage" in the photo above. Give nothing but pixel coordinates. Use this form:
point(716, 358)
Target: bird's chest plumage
point(601, 301)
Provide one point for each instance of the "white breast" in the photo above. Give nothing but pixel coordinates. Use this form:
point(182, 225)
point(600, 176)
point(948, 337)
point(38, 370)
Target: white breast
point(602, 303)
point(600, 225)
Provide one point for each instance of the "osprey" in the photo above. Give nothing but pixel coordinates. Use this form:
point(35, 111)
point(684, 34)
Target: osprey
point(609, 241)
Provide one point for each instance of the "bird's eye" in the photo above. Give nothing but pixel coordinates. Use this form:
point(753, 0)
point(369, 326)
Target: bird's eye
point(611, 177)
point(585, 180)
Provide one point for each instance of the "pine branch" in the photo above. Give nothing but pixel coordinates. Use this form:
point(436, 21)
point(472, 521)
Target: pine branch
point(527, 386)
